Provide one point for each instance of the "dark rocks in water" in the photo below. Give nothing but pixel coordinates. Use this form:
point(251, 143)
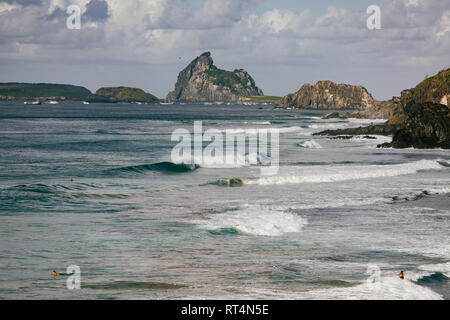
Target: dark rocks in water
point(233, 182)
point(342, 138)
point(425, 125)
point(327, 95)
point(419, 125)
point(351, 137)
point(334, 115)
point(202, 81)
point(382, 130)
point(236, 182)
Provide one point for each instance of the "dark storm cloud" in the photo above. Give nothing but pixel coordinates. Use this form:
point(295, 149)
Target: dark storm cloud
point(96, 10)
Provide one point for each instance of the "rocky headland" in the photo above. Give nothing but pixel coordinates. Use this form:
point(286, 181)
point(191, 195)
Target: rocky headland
point(420, 117)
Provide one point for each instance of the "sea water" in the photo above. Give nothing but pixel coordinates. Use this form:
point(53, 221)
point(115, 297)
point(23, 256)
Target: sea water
point(94, 186)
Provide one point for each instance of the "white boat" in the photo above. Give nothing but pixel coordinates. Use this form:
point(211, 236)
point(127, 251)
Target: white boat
point(52, 102)
point(34, 103)
point(166, 103)
point(85, 102)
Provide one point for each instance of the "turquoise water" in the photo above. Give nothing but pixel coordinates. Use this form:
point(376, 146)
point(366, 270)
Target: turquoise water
point(94, 186)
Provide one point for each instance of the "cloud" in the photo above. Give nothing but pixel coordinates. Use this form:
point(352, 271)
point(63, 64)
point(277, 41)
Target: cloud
point(96, 10)
point(415, 34)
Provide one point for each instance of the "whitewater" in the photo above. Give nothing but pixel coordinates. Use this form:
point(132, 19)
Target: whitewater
point(95, 186)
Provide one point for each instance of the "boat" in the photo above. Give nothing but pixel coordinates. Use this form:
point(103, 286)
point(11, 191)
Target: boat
point(166, 103)
point(34, 103)
point(52, 102)
point(85, 102)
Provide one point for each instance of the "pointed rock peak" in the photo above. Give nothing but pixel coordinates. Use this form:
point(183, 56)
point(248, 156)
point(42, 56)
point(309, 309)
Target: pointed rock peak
point(202, 81)
point(202, 62)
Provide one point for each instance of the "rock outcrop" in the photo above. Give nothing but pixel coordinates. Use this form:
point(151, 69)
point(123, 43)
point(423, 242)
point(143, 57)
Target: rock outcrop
point(330, 96)
point(327, 95)
point(379, 110)
point(420, 117)
point(381, 129)
point(424, 125)
point(121, 94)
point(334, 115)
point(201, 81)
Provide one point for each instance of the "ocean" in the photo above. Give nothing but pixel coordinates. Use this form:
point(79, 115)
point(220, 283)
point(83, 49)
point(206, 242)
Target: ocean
point(94, 186)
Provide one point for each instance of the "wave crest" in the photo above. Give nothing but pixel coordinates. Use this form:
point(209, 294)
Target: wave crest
point(322, 174)
point(254, 220)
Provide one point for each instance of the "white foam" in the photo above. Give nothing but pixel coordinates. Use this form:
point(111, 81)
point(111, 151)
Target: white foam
point(253, 130)
point(443, 268)
point(439, 190)
point(224, 162)
point(366, 121)
point(311, 144)
point(310, 174)
point(290, 129)
point(336, 203)
point(256, 220)
point(388, 288)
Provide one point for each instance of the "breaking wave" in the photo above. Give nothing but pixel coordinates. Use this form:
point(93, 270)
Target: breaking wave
point(310, 144)
point(254, 220)
point(322, 174)
point(168, 167)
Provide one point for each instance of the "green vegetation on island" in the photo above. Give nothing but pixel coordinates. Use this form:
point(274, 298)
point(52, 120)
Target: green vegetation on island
point(432, 89)
point(228, 79)
point(122, 94)
point(25, 91)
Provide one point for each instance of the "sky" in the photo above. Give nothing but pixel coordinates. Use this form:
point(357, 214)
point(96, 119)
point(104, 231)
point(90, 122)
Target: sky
point(283, 44)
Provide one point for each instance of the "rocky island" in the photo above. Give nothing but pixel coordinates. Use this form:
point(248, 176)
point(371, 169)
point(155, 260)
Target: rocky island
point(420, 117)
point(202, 81)
point(41, 91)
point(121, 94)
point(327, 95)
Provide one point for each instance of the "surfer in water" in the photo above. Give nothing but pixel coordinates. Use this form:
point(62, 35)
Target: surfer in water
point(401, 275)
point(55, 274)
